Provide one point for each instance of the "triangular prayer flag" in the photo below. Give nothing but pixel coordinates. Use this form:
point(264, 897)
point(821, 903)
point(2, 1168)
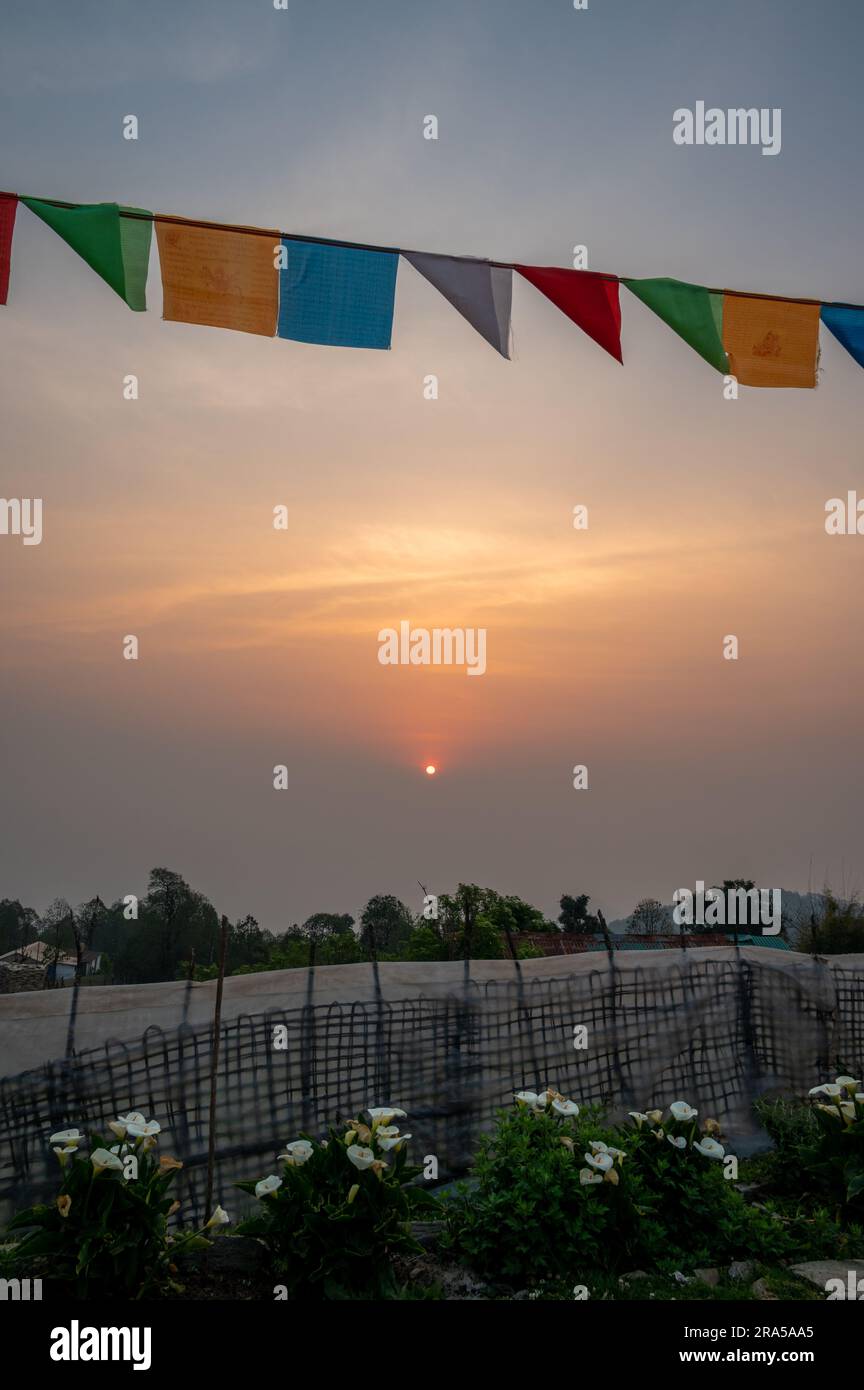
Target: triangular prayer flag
point(338, 295)
point(590, 300)
point(8, 207)
point(691, 311)
point(771, 342)
point(94, 231)
point(219, 278)
point(847, 325)
point(481, 292)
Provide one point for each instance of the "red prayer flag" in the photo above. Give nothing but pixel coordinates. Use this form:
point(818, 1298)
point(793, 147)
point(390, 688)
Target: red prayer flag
point(590, 300)
point(8, 206)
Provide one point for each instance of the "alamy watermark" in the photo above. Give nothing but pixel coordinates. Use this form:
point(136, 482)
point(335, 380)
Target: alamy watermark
point(438, 646)
point(737, 126)
point(758, 909)
point(22, 516)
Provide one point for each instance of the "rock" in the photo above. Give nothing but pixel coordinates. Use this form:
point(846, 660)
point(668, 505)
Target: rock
point(711, 1277)
point(742, 1270)
point(818, 1272)
point(762, 1291)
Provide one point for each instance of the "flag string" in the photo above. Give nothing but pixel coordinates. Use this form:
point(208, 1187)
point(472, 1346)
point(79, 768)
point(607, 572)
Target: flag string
point(171, 219)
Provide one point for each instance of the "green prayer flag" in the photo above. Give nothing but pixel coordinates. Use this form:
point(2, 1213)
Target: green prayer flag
point(135, 234)
point(693, 312)
point(117, 248)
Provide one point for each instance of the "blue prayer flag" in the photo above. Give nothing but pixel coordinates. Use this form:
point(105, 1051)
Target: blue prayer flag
point(337, 295)
point(847, 325)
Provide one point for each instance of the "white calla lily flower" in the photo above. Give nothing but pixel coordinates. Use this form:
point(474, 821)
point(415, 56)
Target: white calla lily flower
point(565, 1107)
point(144, 1129)
point(709, 1148)
point(298, 1152)
point(533, 1100)
point(102, 1159)
point(677, 1141)
point(680, 1110)
point(601, 1161)
point(385, 1114)
point(848, 1083)
point(267, 1186)
point(393, 1142)
point(640, 1118)
point(589, 1179)
point(361, 1157)
point(69, 1138)
point(220, 1217)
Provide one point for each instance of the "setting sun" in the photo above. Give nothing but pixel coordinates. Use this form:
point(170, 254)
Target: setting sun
point(431, 769)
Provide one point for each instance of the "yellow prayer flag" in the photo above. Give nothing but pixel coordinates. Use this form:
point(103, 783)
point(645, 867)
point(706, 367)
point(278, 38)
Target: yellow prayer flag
point(771, 342)
point(224, 279)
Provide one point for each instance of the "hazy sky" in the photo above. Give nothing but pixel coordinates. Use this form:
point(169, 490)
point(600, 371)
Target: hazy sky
point(258, 647)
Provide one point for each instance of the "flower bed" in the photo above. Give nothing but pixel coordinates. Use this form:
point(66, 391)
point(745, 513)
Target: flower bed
point(561, 1203)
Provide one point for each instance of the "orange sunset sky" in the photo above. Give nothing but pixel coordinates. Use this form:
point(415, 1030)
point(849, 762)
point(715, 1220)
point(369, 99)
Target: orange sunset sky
point(259, 647)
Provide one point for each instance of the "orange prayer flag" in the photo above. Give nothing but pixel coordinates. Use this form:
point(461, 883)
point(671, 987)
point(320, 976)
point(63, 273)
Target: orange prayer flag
point(224, 279)
point(770, 342)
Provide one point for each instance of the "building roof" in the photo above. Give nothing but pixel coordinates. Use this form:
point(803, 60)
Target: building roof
point(43, 953)
point(573, 943)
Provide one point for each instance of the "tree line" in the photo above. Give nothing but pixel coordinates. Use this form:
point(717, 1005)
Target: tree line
point(174, 931)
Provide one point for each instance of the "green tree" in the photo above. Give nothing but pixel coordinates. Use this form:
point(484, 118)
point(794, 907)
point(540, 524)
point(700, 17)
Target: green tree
point(385, 925)
point(247, 945)
point(19, 925)
point(510, 911)
point(574, 915)
point(425, 943)
point(322, 925)
point(85, 923)
point(458, 913)
point(837, 930)
point(648, 918)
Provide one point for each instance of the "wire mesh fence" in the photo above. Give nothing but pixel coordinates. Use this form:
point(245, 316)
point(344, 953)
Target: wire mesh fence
point(716, 1028)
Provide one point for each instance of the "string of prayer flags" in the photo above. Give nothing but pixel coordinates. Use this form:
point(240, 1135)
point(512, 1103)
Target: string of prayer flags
point(481, 292)
point(590, 300)
point(94, 232)
point(771, 342)
point(691, 311)
point(8, 208)
point(224, 279)
point(341, 294)
point(337, 295)
point(847, 325)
